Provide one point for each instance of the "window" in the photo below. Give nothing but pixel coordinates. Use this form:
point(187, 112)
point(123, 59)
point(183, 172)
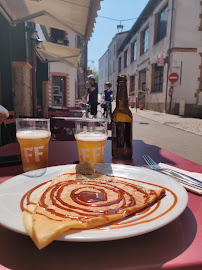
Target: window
point(158, 79)
point(133, 51)
point(125, 58)
point(162, 23)
point(114, 66)
point(59, 37)
point(58, 87)
point(114, 49)
point(144, 41)
point(119, 65)
point(132, 83)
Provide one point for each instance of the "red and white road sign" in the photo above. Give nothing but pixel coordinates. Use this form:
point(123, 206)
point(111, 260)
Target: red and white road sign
point(170, 91)
point(174, 77)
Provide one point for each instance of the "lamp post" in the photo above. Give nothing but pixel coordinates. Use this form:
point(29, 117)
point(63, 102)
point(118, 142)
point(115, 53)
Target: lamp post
point(120, 27)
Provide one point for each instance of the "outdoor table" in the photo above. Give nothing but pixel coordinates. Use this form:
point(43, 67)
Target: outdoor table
point(177, 245)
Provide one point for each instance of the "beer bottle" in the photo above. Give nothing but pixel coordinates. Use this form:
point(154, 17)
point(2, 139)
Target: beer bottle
point(122, 123)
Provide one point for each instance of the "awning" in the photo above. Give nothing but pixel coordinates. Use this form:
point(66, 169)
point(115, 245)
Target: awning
point(69, 15)
point(53, 52)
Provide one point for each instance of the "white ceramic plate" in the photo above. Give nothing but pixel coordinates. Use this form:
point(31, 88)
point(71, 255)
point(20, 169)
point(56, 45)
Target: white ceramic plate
point(157, 216)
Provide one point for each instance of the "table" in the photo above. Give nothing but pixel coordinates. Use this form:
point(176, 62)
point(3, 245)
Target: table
point(175, 246)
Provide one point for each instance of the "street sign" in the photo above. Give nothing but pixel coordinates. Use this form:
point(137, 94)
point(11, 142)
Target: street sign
point(174, 77)
point(161, 59)
point(170, 91)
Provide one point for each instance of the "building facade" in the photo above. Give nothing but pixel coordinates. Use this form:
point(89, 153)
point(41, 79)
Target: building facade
point(172, 28)
point(113, 64)
point(103, 71)
point(108, 68)
point(66, 82)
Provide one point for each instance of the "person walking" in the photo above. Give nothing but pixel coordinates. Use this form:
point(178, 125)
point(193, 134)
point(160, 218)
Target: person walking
point(92, 91)
point(108, 97)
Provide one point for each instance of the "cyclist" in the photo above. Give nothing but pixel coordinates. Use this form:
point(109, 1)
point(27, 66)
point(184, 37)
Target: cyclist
point(108, 97)
point(93, 94)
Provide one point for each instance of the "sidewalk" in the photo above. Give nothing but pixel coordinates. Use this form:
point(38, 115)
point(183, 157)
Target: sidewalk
point(193, 125)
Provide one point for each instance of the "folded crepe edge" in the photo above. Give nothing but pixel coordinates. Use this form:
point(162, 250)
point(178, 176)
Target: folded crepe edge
point(66, 228)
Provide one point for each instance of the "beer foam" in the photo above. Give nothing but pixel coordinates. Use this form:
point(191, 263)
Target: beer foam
point(92, 136)
point(33, 134)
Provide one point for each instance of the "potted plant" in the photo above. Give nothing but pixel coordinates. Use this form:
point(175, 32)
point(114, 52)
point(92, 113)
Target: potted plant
point(141, 99)
point(132, 99)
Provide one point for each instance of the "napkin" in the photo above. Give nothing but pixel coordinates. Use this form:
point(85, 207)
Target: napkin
point(198, 176)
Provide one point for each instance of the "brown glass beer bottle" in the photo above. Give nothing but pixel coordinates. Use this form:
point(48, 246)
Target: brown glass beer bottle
point(122, 123)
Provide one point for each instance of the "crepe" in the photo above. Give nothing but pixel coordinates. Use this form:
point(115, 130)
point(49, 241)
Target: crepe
point(82, 198)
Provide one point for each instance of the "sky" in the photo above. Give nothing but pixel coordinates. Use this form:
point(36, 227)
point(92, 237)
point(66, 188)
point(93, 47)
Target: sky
point(105, 29)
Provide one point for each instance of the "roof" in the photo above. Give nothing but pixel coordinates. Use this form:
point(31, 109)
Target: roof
point(147, 11)
point(118, 34)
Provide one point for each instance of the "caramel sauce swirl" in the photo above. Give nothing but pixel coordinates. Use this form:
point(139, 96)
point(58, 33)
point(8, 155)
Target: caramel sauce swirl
point(90, 198)
point(87, 198)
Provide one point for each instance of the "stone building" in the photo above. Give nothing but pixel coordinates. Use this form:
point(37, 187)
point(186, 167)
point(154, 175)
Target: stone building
point(172, 28)
point(108, 63)
point(113, 67)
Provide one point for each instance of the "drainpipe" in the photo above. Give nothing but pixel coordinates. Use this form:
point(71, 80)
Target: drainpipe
point(33, 59)
point(169, 53)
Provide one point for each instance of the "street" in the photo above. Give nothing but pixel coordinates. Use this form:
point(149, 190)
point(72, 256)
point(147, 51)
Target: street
point(178, 141)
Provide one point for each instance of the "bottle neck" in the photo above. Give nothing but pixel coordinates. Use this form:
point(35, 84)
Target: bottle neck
point(122, 95)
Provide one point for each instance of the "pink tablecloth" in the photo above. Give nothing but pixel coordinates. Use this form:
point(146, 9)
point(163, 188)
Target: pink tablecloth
point(175, 246)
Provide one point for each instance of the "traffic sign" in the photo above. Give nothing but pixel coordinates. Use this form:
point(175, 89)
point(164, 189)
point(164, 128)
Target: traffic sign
point(170, 91)
point(174, 77)
point(161, 59)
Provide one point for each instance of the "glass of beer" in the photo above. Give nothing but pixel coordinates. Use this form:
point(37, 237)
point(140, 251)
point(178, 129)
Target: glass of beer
point(33, 136)
point(91, 136)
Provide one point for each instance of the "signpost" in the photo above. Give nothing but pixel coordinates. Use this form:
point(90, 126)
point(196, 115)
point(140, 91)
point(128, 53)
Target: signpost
point(171, 91)
point(174, 77)
point(171, 97)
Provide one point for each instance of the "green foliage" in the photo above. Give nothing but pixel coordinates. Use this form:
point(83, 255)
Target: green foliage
point(140, 92)
point(132, 93)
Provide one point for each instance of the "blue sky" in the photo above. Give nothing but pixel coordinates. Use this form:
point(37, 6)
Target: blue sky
point(105, 29)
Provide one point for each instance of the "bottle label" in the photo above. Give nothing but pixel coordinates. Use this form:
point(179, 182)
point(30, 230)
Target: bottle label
point(121, 133)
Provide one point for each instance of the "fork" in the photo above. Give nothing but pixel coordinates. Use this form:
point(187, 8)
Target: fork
point(182, 178)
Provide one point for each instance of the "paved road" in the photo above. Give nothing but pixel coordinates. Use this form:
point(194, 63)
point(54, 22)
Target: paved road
point(193, 125)
point(182, 136)
point(180, 142)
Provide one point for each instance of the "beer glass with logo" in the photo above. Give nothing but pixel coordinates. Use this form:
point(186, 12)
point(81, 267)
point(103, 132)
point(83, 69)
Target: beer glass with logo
point(33, 136)
point(91, 136)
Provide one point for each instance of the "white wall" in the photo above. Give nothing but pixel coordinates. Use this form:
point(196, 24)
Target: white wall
point(103, 76)
point(72, 72)
point(187, 21)
point(113, 47)
point(190, 74)
point(72, 39)
point(68, 70)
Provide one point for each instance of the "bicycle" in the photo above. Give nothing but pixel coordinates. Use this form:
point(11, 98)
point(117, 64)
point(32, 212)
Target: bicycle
point(87, 110)
point(107, 112)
